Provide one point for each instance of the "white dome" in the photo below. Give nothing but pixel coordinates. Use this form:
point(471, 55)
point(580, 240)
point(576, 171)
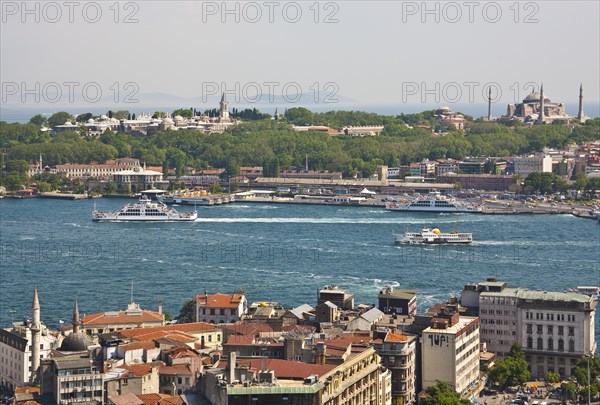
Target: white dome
point(178, 118)
point(90, 121)
point(167, 121)
point(68, 123)
point(103, 117)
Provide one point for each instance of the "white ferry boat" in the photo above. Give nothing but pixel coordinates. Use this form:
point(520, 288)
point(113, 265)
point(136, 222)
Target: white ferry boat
point(144, 210)
point(434, 202)
point(592, 291)
point(432, 237)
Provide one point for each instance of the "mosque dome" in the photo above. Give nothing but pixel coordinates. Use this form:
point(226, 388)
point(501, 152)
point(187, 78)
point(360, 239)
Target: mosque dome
point(103, 117)
point(76, 342)
point(167, 121)
point(535, 96)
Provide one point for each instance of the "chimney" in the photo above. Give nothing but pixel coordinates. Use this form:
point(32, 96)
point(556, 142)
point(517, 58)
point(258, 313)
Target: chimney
point(231, 365)
point(321, 351)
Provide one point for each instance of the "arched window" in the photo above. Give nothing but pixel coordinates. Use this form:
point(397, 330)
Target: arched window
point(561, 345)
point(550, 344)
point(571, 345)
point(540, 344)
point(529, 342)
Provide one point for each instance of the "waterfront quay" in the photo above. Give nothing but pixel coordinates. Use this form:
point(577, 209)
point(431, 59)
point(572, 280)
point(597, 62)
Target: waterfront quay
point(489, 207)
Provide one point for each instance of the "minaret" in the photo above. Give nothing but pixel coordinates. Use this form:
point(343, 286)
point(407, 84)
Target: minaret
point(580, 115)
point(35, 335)
point(76, 321)
point(541, 112)
point(489, 117)
point(224, 115)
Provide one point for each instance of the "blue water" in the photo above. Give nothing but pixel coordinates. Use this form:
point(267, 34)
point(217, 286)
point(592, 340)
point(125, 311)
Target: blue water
point(283, 253)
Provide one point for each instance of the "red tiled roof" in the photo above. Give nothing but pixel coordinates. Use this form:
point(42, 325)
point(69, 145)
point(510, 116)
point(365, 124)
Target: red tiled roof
point(176, 369)
point(287, 368)
point(182, 352)
point(139, 370)
point(125, 399)
point(290, 328)
point(147, 345)
point(21, 389)
point(220, 300)
point(395, 337)
point(196, 327)
point(344, 341)
point(160, 399)
point(121, 317)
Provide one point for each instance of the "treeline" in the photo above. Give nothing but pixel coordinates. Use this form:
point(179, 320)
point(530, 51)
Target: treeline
point(274, 144)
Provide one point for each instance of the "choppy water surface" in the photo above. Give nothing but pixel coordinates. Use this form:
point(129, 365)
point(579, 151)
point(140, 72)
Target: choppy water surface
point(283, 253)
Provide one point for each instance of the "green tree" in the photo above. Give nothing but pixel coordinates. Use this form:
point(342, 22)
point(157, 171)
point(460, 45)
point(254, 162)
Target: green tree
point(121, 115)
point(184, 112)
point(19, 167)
point(232, 168)
point(84, 117)
point(299, 116)
point(581, 181)
point(110, 188)
point(511, 370)
point(44, 187)
point(186, 313)
point(552, 377)
point(443, 394)
point(59, 118)
point(215, 187)
point(38, 120)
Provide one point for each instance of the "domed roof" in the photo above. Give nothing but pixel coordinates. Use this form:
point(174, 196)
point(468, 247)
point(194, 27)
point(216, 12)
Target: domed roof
point(167, 121)
point(178, 118)
point(534, 96)
point(76, 342)
point(104, 117)
point(90, 121)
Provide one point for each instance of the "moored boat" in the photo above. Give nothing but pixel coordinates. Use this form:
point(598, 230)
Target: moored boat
point(434, 202)
point(144, 210)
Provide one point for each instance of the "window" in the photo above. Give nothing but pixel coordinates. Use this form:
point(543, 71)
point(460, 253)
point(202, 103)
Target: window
point(222, 311)
point(233, 312)
point(529, 328)
point(212, 311)
point(550, 329)
point(550, 344)
point(540, 329)
point(561, 345)
point(529, 342)
point(561, 330)
point(571, 331)
point(540, 344)
point(571, 345)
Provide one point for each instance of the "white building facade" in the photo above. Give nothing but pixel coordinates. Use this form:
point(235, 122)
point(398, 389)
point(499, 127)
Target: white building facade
point(16, 353)
point(450, 353)
point(554, 328)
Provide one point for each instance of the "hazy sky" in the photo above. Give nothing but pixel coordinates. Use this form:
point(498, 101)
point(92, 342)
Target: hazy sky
point(367, 53)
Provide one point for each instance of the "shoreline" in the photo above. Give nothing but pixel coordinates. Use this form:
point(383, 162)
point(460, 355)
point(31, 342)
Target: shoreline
point(488, 207)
